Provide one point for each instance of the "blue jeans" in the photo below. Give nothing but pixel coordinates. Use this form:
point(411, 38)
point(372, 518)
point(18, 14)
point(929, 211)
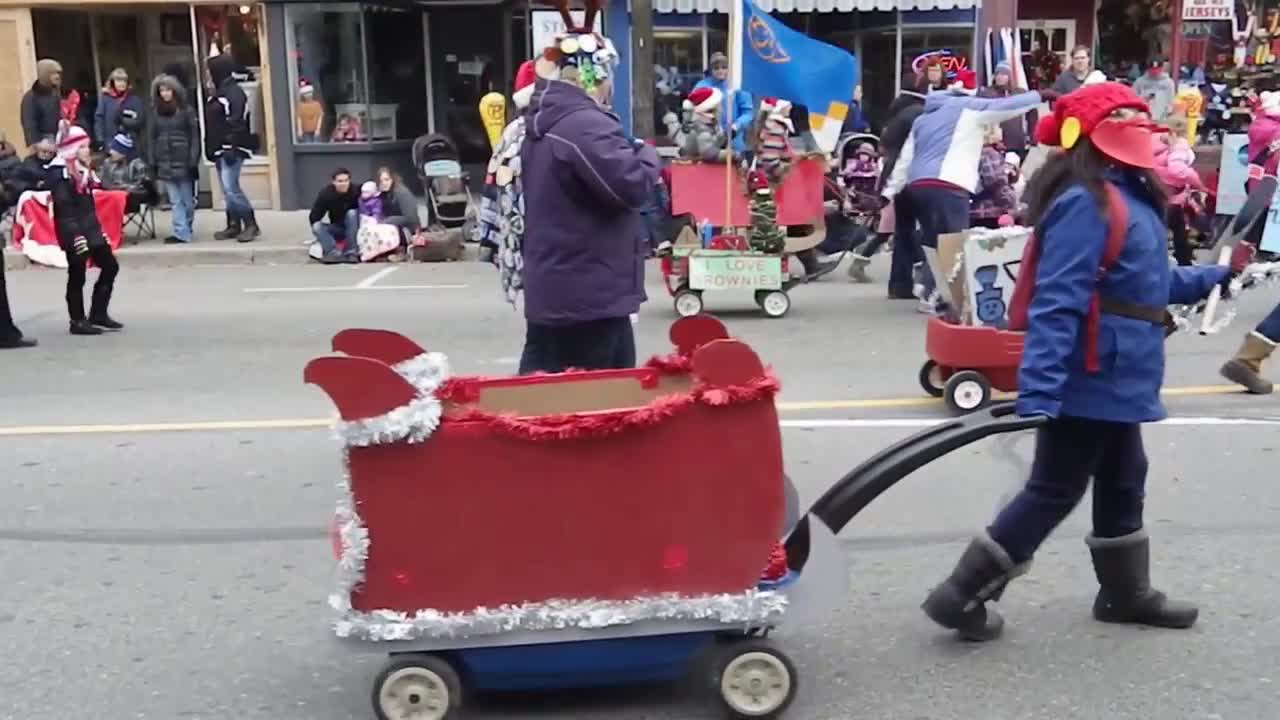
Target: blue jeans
point(328, 235)
point(1270, 325)
point(229, 166)
point(182, 196)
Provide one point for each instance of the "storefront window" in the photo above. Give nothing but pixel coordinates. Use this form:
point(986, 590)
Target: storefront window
point(232, 30)
point(677, 59)
point(917, 41)
point(336, 97)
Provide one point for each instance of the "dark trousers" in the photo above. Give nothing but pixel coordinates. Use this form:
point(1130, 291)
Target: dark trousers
point(1070, 451)
point(8, 331)
point(906, 246)
point(939, 211)
point(607, 344)
point(76, 268)
point(1176, 219)
point(1269, 328)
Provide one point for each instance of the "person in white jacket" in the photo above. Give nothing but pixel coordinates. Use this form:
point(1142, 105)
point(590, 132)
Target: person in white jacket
point(937, 172)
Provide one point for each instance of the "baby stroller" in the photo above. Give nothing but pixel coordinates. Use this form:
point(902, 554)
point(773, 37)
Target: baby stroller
point(859, 200)
point(450, 213)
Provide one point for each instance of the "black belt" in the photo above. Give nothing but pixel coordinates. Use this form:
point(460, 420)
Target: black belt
point(1154, 315)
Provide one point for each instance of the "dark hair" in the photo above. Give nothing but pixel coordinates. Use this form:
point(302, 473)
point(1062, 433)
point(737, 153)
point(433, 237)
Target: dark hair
point(1082, 165)
point(1080, 48)
point(340, 171)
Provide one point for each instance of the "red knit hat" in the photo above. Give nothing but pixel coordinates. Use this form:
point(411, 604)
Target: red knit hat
point(1087, 113)
point(525, 78)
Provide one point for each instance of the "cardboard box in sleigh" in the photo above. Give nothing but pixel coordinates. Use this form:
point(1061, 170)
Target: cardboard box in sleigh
point(587, 499)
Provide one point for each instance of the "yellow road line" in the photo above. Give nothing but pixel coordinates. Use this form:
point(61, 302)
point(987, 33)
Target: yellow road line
point(310, 423)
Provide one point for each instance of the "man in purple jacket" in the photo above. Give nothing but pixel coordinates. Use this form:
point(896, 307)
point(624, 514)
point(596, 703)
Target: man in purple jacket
point(585, 241)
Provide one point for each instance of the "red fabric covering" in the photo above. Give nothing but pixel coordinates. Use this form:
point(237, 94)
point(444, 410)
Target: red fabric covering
point(33, 229)
point(1024, 288)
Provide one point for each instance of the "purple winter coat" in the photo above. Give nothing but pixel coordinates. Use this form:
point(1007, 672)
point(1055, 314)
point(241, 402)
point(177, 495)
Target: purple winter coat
point(584, 185)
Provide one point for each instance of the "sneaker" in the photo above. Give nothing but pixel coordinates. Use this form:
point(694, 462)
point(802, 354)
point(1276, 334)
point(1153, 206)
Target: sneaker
point(173, 240)
point(106, 322)
point(82, 327)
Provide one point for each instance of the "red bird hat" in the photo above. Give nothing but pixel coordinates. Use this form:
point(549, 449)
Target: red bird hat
point(1088, 112)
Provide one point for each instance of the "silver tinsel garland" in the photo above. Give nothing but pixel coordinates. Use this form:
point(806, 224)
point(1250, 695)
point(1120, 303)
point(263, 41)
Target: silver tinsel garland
point(1254, 276)
point(414, 422)
point(752, 607)
point(425, 372)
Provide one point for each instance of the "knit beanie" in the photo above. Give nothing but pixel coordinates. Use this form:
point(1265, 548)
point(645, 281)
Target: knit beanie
point(122, 144)
point(1003, 67)
point(45, 69)
point(71, 142)
point(1078, 114)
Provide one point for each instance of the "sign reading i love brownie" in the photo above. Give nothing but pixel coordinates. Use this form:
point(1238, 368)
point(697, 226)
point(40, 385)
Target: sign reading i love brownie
point(726, 272)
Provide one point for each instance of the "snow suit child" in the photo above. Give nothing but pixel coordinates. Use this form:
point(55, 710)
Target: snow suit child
point(1092, 366)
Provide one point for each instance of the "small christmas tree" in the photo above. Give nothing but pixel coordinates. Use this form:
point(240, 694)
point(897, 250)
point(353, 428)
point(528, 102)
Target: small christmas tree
point(765, 235)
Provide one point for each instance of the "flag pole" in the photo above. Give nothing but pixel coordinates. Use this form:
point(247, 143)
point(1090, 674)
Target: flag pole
point(733, 48)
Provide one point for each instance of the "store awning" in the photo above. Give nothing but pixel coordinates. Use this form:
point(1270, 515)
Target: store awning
point(822, 6)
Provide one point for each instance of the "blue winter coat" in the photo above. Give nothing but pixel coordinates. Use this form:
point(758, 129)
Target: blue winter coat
point(585, 185)
point(736, 114)
point(118, 114)
point(1052, 379)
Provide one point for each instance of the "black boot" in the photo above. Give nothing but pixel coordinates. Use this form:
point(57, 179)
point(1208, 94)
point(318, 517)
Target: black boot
point(15, 340)
point(1123, 568)
point(959, 603)
point(232, 230)
point(98, 310)
point(84, 327)
point(250, 231)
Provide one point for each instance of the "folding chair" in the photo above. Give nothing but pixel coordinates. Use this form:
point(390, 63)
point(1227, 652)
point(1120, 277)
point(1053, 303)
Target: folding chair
point(140, 214)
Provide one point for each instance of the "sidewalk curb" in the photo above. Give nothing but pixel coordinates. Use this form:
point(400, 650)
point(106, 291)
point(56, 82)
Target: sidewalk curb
point(202, 254)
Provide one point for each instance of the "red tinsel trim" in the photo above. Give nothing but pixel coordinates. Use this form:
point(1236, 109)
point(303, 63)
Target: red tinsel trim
point(673, 364)
point(777, 567)
point(588, 425)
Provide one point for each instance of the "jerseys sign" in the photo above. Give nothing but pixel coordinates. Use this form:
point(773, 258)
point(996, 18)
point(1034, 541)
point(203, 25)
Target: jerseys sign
point(1208, 9)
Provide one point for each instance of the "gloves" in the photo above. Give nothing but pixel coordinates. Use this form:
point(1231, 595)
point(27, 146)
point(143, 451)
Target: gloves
point(80, 245)
point(1241, 256)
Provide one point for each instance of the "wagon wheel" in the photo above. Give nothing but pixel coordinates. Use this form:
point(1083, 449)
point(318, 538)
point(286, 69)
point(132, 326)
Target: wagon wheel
point(688, 303)
point(931, 379)
point(417, 687)
point(754, 679)
point(775, 303)
point(967, 391)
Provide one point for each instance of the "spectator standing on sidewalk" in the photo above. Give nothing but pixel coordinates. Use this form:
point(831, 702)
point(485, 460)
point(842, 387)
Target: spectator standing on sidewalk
point(41, 108)
point(120, 111)
point(228, 143)
point(334, 217)
point(173, 152)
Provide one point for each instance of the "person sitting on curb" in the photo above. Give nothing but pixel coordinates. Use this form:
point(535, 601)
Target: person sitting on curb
point(333, 217)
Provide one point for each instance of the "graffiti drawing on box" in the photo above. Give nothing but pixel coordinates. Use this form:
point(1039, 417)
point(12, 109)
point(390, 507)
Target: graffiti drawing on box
point(990, 307)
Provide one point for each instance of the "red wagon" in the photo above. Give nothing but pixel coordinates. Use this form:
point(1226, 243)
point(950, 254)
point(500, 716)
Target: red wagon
point(966, 363)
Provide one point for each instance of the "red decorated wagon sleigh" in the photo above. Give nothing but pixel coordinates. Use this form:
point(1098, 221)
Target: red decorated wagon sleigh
point(588, 528)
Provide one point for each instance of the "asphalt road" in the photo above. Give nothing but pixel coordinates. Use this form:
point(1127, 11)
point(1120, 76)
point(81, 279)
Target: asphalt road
point(150, 572)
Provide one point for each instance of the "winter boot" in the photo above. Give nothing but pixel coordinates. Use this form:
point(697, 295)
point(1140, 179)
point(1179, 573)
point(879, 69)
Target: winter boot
point(84, 327)
point(232, 230)
point(1246, 367)
point(250, 231)
point(98, 316)
point(858, 269)
point(959, 603)
point(1123, 567)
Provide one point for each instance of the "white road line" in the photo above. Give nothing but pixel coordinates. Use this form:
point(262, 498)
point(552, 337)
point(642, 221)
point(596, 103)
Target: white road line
point(352, 288)
point(818, 424)
point(374, 278)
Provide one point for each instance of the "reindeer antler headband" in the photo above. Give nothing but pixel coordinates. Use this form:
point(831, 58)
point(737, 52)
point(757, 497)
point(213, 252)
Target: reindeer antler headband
point(592, 55)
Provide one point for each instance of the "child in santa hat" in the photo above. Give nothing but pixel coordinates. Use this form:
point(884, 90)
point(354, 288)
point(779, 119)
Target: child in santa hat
point(75, 220)
point(701, 135)
point(1092, 411)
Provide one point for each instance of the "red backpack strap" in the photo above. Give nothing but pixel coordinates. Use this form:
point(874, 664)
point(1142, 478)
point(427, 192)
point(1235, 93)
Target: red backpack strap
point(1024, 285)
point(1117, 217)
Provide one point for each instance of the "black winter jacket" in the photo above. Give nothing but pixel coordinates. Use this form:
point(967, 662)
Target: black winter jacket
point(227, 113)
point(902, 115)
point(74, 213)
point(173, 146)
point(41, 110)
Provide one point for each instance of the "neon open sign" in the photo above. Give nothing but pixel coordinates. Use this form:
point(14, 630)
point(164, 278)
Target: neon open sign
point(951, 63)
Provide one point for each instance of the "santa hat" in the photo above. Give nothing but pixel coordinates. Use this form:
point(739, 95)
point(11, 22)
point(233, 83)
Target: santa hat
point(523, 90)
point(1081, 113)
point(966, 82)
point(305, 88)
point(703, 99)
point(71, 142)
